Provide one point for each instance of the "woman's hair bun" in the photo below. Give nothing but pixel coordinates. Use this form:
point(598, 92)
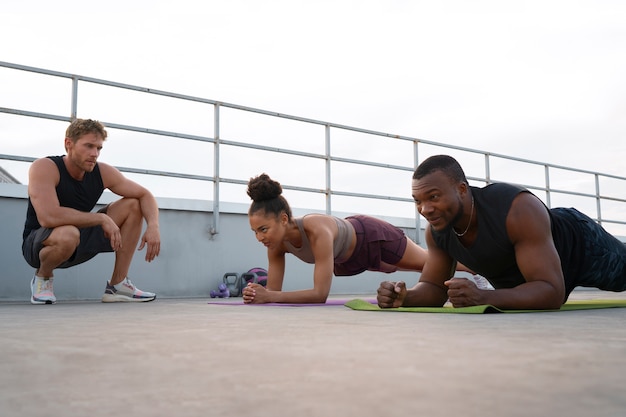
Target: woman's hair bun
point(263, 188)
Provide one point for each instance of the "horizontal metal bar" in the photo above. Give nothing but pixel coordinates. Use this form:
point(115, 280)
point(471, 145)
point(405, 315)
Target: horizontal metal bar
point(321, 191)
point(159, 132)
point(372, 196)
point(35, 69)
point(271, 149)
point(35, 114)
point(371, 163)
point(612, 221)
point(166, 174)
point(17, 158)
point(284, 186)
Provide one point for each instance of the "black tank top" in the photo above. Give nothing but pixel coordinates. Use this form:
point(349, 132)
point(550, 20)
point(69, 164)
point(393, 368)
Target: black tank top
point(492, 254)
point(80, 195)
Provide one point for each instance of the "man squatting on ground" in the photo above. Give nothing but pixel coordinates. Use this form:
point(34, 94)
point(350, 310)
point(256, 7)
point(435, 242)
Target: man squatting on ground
point(61, 231)
point(533, 256)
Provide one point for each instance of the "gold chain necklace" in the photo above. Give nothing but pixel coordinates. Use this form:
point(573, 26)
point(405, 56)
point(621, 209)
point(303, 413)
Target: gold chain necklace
point(468, 224)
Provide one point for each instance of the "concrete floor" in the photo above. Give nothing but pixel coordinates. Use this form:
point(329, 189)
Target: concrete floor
point(183, 357)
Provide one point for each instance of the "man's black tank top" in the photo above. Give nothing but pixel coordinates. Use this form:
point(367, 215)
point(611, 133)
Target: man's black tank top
point(492, 254)
point(80, 195)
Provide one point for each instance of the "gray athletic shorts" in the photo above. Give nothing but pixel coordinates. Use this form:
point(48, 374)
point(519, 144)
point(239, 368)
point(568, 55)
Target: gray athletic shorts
point(92, 242)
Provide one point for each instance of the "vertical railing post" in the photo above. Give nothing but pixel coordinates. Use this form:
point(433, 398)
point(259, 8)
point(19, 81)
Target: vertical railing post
point(327, 166)
point(598, 200)
point(487, 169)
point(418, 220)
point(548, 190)
point(216, 169)
point(74, 109)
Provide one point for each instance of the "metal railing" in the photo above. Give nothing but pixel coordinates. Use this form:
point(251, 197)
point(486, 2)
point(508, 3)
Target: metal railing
point(605, 190)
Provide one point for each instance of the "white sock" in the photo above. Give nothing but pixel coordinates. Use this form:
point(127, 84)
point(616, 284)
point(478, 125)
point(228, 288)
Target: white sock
point(44, 278)
point(119, 283)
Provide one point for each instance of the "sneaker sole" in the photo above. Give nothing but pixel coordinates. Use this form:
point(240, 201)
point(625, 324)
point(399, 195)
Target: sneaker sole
point(116, 298)
point(39, 302)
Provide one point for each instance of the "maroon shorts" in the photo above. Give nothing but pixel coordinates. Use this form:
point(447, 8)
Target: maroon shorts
point(376, 241)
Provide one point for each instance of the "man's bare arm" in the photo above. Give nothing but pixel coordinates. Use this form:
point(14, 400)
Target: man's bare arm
point(43, 178)
point(528, 226)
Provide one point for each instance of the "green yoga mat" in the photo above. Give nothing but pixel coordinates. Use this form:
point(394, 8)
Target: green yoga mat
point(363, 305)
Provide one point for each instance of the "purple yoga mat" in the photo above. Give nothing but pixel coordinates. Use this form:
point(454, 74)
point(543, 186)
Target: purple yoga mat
point(329, 302)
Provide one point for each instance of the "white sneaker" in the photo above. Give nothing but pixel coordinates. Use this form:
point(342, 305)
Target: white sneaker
point(41, 291)
point(481, 282)
point(125, 291)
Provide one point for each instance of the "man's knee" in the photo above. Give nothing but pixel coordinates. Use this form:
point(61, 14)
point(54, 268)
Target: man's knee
point(66, 237)
point(133, 204)
point(123, 209)
point(130, 205)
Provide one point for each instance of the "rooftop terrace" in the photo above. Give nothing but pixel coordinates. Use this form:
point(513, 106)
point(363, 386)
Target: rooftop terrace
point(181, 356)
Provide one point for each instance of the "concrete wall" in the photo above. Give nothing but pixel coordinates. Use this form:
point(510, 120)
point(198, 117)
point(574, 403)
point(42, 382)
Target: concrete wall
point(191, 264)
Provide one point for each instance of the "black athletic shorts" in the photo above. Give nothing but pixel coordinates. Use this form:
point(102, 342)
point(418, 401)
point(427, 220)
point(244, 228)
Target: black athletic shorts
point(92, 242)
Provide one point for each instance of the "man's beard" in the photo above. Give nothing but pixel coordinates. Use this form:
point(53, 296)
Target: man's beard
point(450, 226)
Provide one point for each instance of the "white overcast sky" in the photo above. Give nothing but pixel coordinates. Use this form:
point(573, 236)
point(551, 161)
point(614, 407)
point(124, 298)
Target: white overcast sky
point(542, 80)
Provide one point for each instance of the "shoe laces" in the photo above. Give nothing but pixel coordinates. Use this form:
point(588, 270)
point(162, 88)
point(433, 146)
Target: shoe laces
point(129, 283)
point(45, 285)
